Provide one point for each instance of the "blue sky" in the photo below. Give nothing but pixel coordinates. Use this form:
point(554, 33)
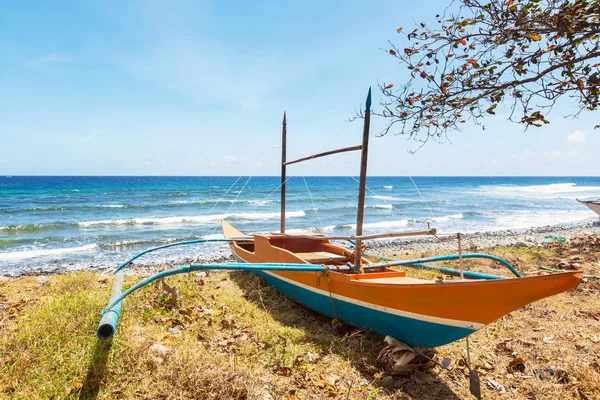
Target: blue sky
point(199, 88)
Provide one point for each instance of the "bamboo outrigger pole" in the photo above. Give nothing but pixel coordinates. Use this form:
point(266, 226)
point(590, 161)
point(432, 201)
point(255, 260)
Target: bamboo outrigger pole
point(327, 153)
point(283, 172)
point(362, 185)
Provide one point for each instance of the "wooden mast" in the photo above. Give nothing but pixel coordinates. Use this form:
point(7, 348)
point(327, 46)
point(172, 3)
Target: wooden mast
point(362, 185)
point(283, 172)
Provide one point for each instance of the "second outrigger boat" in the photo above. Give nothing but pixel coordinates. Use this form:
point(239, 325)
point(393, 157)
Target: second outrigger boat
point(343, 284)
point(593, 205)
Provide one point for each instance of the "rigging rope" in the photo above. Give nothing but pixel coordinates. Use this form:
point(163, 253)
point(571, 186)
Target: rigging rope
point(325, 274)
point(217, 203)
point(313, 203)
point(258, 163)
point(274, 190)
point(369, 189)
point(422, 198)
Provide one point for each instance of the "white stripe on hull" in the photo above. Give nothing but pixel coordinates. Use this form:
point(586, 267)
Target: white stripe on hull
point(406, 314)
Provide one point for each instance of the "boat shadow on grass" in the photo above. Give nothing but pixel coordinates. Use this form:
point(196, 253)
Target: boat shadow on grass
point(360, 348)
point(96, 371)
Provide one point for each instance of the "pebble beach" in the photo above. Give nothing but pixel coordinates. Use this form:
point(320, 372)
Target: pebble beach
point(487, 240)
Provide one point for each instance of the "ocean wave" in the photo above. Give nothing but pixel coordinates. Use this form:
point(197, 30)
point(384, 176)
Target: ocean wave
point(528, 218)
point(127, 243)
point(214, 236)
point(567, 190)
point(11, 229)
point(266, 215)
point(384, 224)
point(345, 226)
point(384, 206)
point(388, 187)
point(178, 220)
point(72, 207)
point(19, 255)
point(152, 242)
point(448, 217)
point(387, 198)
point(258, 203)
point(314, 229)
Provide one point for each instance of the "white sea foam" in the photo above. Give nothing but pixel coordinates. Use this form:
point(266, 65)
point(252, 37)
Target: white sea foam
point(388, 198)
point(448, 217)
point(258, 203)
point(529, 218)
point(385, 206)
point(19, 255)
point(388, 187)
point(384, 224)
point(184, 202)
point(214, 236)
point(391, 225)
point(267, 215)
point(152, 221)
point(125, 243)
point(196, 219)
point(314, 229)
point(555, 190)
point(113, 206)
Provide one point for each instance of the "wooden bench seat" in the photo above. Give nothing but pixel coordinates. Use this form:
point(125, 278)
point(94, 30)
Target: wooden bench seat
point(321, 257)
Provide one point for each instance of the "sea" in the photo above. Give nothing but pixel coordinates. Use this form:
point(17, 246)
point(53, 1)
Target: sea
point(55, 223)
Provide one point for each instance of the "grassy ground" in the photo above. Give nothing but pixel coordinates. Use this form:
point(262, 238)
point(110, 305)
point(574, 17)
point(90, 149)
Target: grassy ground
point(233, 337)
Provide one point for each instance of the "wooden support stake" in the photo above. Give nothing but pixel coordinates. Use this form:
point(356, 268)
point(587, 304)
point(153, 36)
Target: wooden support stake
point(283, 172)
point(460, 260)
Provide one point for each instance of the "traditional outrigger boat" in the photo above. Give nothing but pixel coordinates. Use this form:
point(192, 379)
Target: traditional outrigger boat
point(343, 284)
point(593, 205)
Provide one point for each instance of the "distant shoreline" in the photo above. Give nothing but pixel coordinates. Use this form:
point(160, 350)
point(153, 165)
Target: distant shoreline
point(471, 242)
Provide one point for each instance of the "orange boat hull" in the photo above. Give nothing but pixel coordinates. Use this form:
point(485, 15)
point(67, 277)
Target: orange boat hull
point(417, 312)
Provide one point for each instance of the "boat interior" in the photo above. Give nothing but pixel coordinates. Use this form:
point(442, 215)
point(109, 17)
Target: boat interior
point(317, 250)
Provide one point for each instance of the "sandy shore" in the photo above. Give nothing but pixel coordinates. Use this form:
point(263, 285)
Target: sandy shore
point(393, 247)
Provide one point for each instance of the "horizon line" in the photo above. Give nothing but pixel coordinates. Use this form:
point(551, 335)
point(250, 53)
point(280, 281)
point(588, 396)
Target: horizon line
point(291, 176)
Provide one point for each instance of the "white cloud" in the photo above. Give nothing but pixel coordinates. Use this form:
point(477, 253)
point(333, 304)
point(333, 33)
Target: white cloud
point(86, 138)
point(228, 158)
point(147, 163)
point(577, 137)
point(552, 155)
point(49, 59)
point(190, 57)
point(225, 160)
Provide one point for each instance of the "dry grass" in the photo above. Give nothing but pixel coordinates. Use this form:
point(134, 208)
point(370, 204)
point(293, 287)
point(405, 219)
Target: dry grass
point(232, 336)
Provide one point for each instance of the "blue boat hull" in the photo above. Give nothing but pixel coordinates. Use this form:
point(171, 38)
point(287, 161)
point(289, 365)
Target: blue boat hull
point(408, 330)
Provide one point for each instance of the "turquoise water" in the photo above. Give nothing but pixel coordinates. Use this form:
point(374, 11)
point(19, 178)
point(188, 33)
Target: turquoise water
point(53, 223)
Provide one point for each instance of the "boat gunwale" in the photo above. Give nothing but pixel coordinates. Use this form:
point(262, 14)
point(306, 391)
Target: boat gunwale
point(347, 276)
